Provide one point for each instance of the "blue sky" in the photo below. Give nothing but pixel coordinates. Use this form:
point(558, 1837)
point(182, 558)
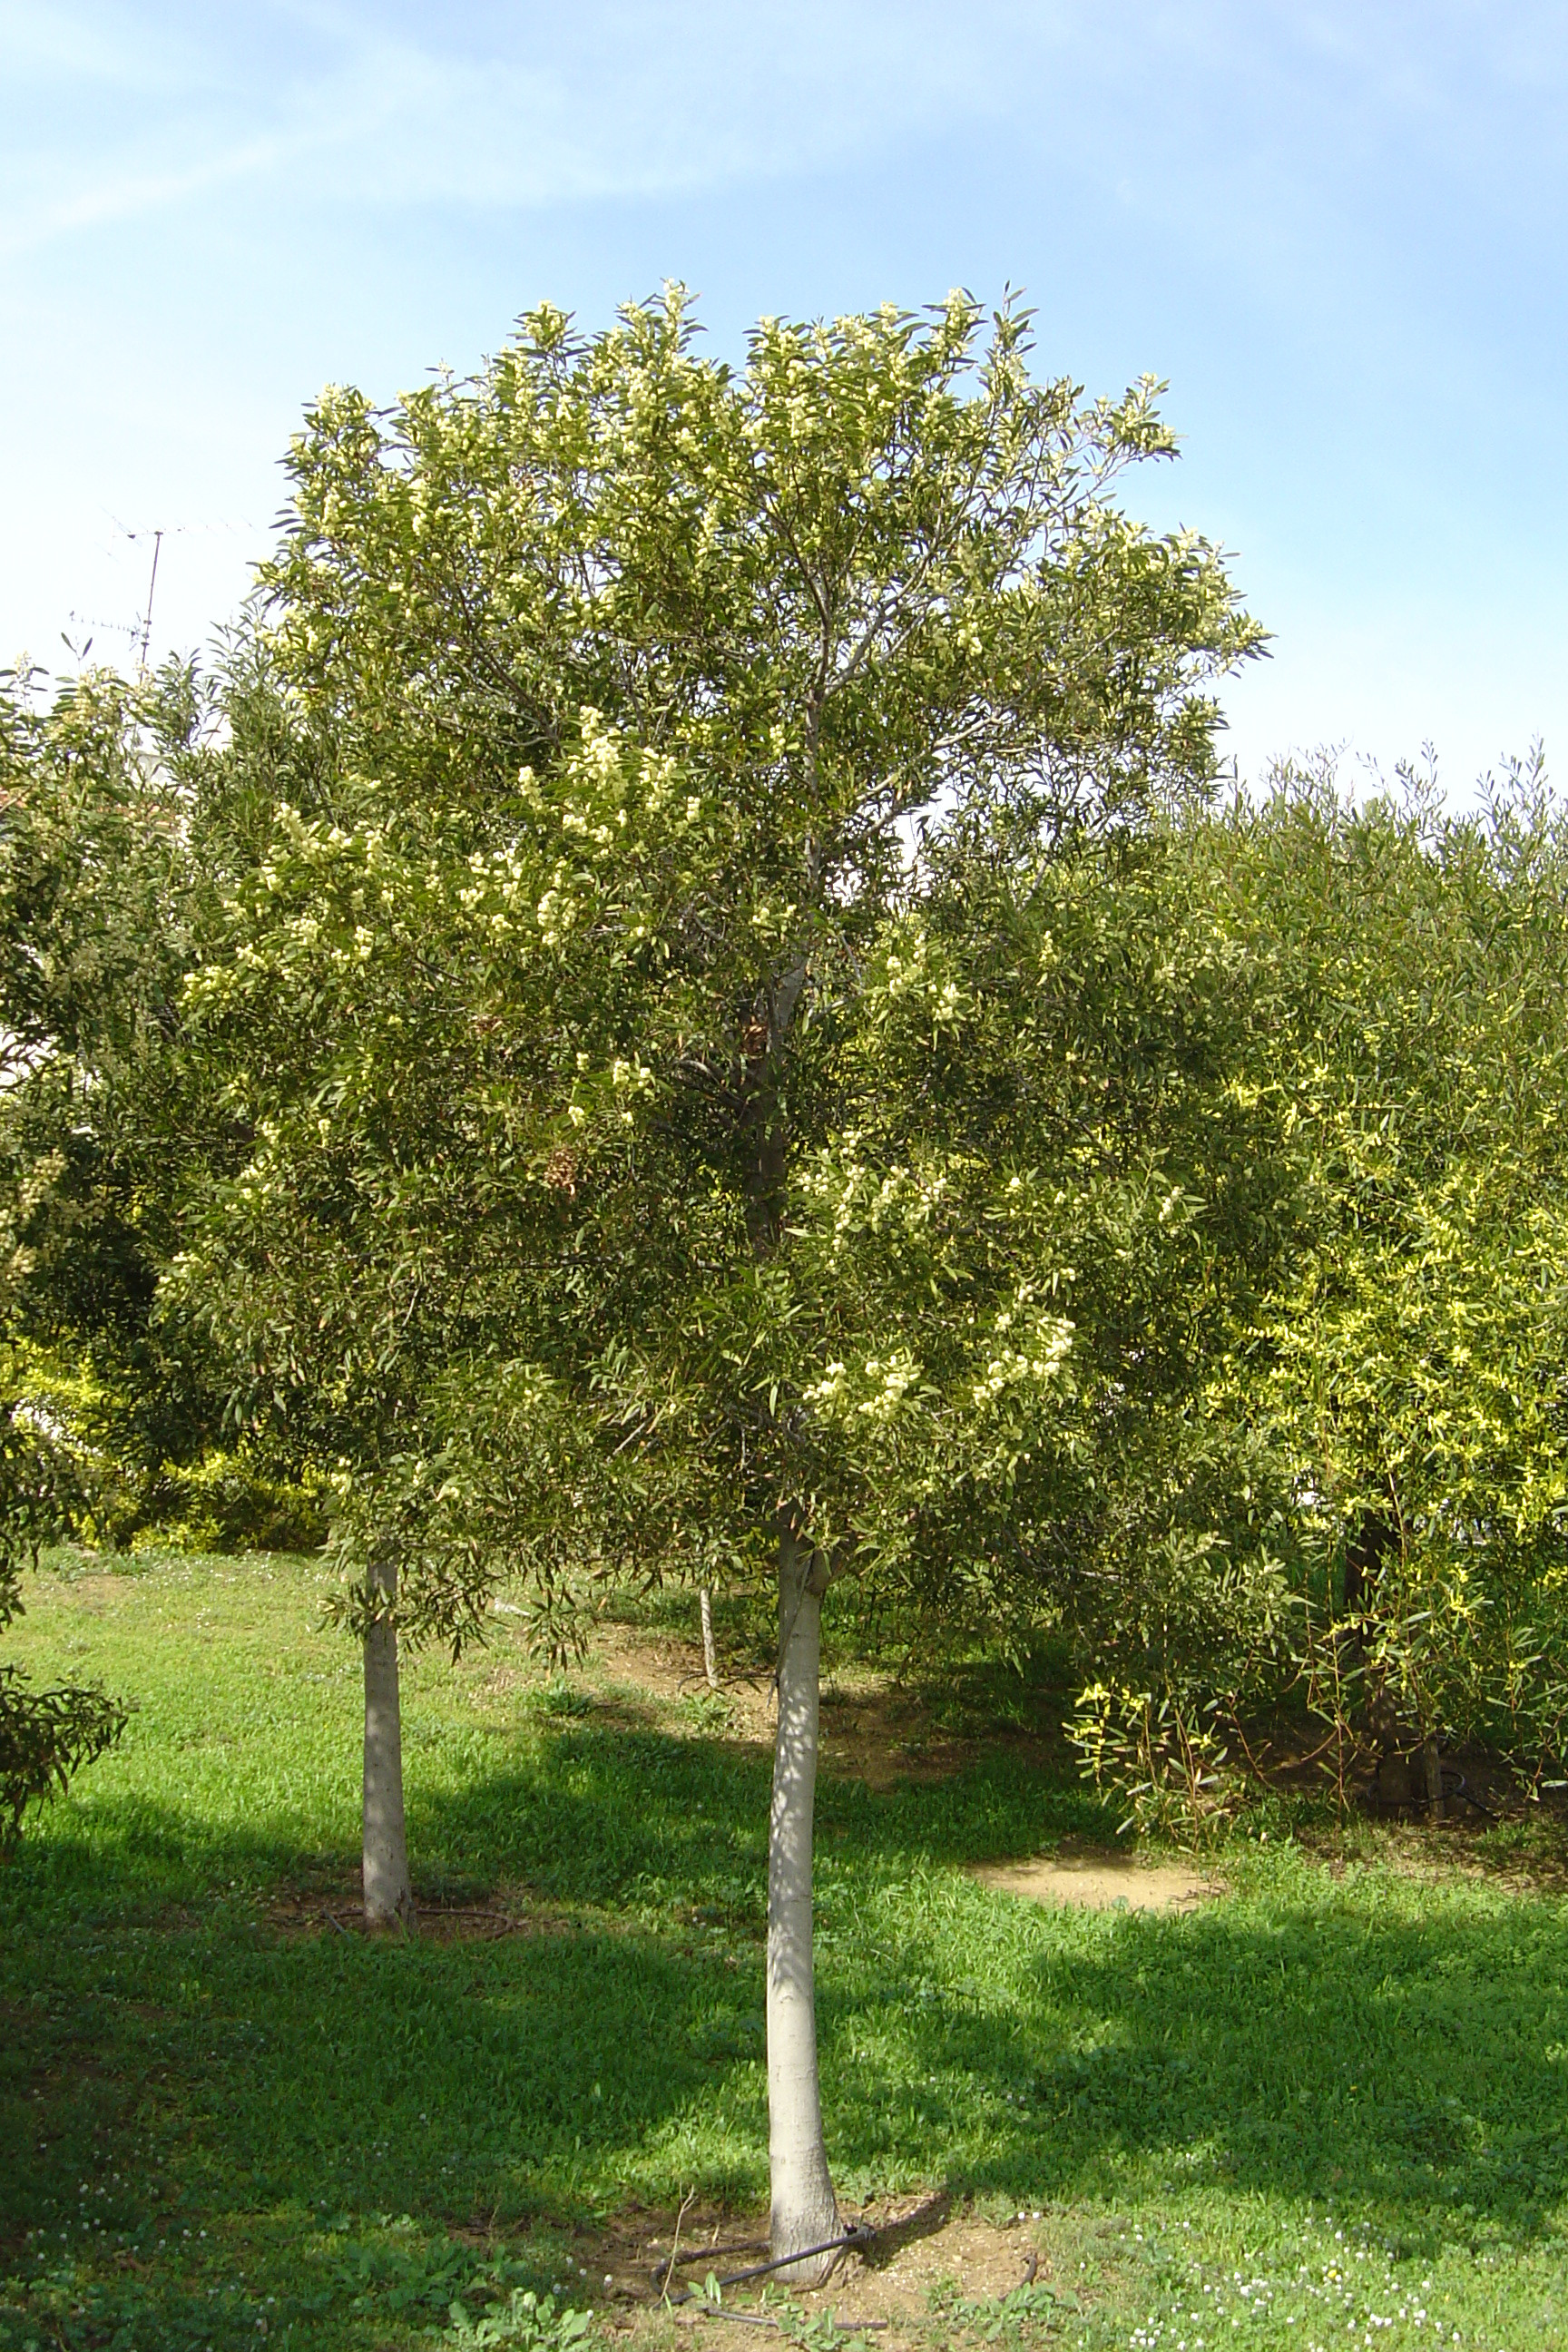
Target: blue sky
point(1338, 230)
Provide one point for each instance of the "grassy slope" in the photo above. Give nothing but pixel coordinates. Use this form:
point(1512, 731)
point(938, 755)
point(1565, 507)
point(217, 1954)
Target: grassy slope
point(1345, 2093)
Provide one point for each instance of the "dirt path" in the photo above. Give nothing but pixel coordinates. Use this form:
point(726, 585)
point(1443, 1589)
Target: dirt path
point(1098, 1882)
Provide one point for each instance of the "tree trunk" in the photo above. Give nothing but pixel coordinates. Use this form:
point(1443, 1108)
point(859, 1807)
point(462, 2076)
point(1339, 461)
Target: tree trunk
point(388, 1895)
point(804, 2209)
point(1432, 1755)
point(709, 1655)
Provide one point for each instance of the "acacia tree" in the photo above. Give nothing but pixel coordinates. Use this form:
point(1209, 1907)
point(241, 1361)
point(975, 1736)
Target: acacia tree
point(92, 874)
point(1411, 1366)
point(638, 672)
point(368, 1273)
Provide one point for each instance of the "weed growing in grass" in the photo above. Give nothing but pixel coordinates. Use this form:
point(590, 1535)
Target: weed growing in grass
point(530, 2322)
point(559, 1696)
point(815, 2331)
point(1019, 2317)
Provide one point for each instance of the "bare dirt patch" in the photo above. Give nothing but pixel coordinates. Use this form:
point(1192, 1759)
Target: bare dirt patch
point(927, 2242)
point(656, 1665)
point(92, 1591)
point(923, 2247)
point(1099, 1882)
point(871, 1729)
point(342, 1912)
point(881, 1735)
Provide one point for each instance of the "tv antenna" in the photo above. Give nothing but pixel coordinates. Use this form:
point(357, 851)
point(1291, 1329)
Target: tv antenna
point(151, 584)
point(142, 626)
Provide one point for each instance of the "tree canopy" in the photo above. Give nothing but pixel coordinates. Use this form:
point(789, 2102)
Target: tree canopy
point(658, 1016)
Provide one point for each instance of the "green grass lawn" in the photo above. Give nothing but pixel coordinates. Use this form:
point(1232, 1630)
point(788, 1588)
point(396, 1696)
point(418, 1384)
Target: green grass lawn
point(1329, 2107)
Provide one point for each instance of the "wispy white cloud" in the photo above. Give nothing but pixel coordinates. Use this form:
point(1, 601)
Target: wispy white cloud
point(70, 47)
point(1335, 224)
point(520, 108)
point(121, 109)
point(125, 195)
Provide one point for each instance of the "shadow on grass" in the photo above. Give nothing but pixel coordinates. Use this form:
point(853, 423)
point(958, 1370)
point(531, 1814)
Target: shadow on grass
point(1406, 2070)
point(1310, 2039)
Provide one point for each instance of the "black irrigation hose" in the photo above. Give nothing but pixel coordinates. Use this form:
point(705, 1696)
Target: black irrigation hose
point(1453, 1785)
point(706, 2254)
point(759, 2319)
point(1456, 1785)
point(855, 2235)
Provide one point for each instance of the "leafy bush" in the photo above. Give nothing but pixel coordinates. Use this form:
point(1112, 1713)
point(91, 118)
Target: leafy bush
point(44, 1736)
point(227, 1503)
point(1163, 1759)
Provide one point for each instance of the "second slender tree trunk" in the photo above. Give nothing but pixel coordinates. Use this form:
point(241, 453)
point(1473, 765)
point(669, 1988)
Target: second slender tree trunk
point(389, 1894)
point(1432, 1756)
point(709, 1655)
point(804, 2209)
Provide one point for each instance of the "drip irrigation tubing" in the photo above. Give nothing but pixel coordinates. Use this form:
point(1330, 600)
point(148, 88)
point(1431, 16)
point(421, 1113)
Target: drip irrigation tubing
point(1456, 1785)
point(855, 2235)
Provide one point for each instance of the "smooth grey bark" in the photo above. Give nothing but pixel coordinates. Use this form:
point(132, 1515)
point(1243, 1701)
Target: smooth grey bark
point(388, 1892)
point(804, 2209)
point(709, 1655)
